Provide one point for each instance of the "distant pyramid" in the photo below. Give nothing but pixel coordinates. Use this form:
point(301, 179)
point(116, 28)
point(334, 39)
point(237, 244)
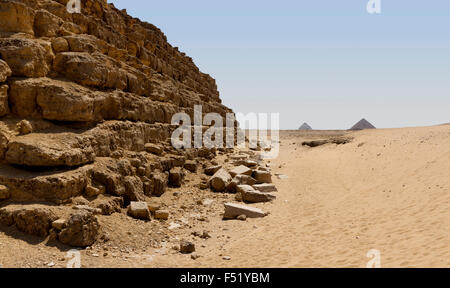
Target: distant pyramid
point(305, 127)
point(362, 125)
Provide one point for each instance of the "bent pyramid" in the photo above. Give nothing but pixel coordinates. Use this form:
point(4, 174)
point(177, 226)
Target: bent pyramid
point(305, 127)
point(362, 125)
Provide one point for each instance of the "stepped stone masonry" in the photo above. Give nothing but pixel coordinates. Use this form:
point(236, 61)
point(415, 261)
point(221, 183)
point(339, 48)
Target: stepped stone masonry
point(86, 102)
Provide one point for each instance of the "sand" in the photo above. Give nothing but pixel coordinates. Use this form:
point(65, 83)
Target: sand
point(387, 190)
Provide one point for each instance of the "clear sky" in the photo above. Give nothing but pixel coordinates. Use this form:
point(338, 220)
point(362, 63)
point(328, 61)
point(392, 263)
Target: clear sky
point(325, 62)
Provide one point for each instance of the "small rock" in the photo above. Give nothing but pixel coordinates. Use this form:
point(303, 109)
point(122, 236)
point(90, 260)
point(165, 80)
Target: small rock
point(241, 170)
point(59, 224)
point(139, 210)
point(95, 211)
point(153, 149)
point(262, 177)
point(176, 176)
point(92, 191)
point(194, 256)
point(220, 180)
point(186, 247)
point(226, 258)
point(162, 214)
point(266, 188)
point(232, 211)
point(242, 217)
point(153, 206)
point(212, 170)
point(4, 192)
point(250, 195)
point(81, 229)
point(191, 166)
point(24, 127)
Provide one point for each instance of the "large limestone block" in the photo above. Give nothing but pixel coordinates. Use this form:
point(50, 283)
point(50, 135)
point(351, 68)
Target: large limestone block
point(46, 24)
point(52, 150)
point(91, 70)
point(250, 195)
point(26, 57)
point(16, 17)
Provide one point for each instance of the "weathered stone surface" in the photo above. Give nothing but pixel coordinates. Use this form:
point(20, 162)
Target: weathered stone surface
point(139, 210)
point(176, 176)
point(5, 71)
point(24, 127)
point(81, 230)
point(153, 148)
point(52, 150)
point(220, 180)
point(16, 17)
point(26, 57)
point(59, 224)
point(262, 177)
point(30, 220)
point(4, 104)
point(46, 24)
point(241, 170)
point(162, 214)
point(108, 204)
point(60, 45)
point(186, 247)
point(159, 184)
point(212, 170)
point(250, 195)
point(134, 189)
point(49, 186)
point(4, 192)
point(265, 188)
point(232, 211)
point(191, 166)
point(95, 70)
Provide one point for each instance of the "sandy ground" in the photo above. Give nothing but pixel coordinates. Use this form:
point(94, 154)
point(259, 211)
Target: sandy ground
point(387, 190)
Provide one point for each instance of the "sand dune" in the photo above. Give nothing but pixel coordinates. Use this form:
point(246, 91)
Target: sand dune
point(387, 190)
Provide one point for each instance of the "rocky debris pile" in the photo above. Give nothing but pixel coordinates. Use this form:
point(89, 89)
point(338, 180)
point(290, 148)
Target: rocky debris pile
point(86, 102)
point(249, 177)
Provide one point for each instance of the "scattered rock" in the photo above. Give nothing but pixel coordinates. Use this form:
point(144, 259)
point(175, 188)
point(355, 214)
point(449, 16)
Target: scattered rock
point(220, 180)
point(139, 210)
point(4, 193)
point(210, 171)
point(233, 210)
point(153, 148)
point(242, 217)
point(176, 176)
point(24, 127)
point(266, 188)
point(59, 224)
point(250, 195)
point(191, 166)
point(81, 229)
point(241, 170)
point(95, 211)
point(262, 177)
point(186, 247)
point(162, 214)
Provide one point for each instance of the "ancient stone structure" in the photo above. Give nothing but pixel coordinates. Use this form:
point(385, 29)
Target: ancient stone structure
point(86, 101)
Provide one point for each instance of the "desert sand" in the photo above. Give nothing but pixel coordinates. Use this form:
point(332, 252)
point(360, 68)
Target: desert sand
point(388, 189)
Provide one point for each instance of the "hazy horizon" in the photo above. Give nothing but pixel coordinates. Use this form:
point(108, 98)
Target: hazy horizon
point(323, 62)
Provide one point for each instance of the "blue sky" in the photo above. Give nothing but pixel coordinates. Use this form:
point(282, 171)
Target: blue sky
point(325, 62)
